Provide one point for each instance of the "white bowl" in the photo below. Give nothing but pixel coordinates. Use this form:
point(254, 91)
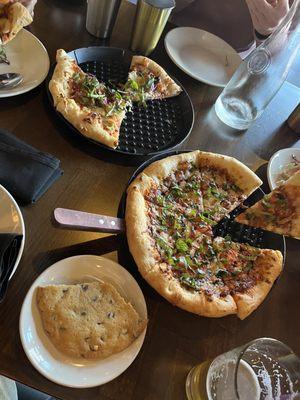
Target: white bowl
point(62, 369)
point(278, 161)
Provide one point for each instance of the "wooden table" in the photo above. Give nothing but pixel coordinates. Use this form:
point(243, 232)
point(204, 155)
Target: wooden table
point(175, 340)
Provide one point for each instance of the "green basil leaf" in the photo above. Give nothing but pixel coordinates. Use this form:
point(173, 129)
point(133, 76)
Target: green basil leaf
point(181, 246)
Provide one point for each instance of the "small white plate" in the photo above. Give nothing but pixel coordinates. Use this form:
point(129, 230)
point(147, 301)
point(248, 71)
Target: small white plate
point(59, 368)
point(28, 57)
point(11, 220)
point(278, 161)
point(202, 55)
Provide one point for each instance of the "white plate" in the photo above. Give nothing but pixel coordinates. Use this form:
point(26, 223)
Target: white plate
point(56, 366)
point(27, 56)
point(202, 55)
point(11, 220)
point(278, 161)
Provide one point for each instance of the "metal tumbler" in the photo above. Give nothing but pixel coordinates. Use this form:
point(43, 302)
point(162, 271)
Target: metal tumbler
point(150, 19)
point(101, 17)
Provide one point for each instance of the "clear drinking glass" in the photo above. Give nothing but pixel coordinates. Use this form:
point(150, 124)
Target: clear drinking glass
point(264, 369)
point(261, 74)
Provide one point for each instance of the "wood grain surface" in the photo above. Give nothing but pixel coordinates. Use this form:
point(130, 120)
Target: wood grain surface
point(175, 340)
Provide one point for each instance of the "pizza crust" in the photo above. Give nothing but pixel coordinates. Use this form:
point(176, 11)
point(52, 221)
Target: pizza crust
point(160, 169)
point(194, 302)
point(270, 261)
point(146, 256)
point(142, 249)
point(79, 116)
point(292, 189)
point(242, 176)
point(170, 88)
point(17, 17)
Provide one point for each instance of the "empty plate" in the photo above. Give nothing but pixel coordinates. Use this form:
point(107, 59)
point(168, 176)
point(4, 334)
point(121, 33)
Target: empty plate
point(202, 55)
point(28, 57)
point(54, 365)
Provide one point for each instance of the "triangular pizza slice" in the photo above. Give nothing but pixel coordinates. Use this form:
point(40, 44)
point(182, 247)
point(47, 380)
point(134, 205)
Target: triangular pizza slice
point(13, 17)
point(96, 110)
point(278, 211)
point(147, 81)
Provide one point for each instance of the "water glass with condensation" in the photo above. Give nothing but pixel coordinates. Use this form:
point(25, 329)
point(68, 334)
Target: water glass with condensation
point(264, 369)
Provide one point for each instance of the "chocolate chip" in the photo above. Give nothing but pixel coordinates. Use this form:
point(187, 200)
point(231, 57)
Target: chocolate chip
point(84, 287)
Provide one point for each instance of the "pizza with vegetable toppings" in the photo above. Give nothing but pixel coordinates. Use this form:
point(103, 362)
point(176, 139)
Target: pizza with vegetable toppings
point(13, 17)
point(95, 109)
point(147, 81)
point(278, 211)
point(171, 209)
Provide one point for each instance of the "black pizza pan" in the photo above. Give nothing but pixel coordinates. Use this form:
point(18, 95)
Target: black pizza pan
point(78, 220)
point(227, 226)
point(146, 131)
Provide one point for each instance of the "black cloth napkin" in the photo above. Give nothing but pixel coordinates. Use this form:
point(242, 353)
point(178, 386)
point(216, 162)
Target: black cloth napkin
point(24, 171)
point(9, 249)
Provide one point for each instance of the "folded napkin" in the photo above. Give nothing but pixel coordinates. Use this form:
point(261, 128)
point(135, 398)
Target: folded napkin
point(24, 171)
point(9, 249)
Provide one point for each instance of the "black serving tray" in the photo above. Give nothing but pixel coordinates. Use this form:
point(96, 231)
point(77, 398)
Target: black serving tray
point(146, 131)
point(227, 226)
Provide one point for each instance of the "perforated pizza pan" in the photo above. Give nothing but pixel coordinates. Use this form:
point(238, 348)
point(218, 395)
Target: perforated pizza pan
point(162, 125)
point(227, 226)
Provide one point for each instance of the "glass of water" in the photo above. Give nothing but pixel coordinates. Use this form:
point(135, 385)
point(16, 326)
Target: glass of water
point(264, 369)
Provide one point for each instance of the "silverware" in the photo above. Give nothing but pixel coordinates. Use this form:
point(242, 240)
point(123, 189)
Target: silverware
point(83, 221)
point(10, 80)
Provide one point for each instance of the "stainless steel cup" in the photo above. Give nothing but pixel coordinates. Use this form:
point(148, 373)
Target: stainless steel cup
point(150, 19)
point(101, 17)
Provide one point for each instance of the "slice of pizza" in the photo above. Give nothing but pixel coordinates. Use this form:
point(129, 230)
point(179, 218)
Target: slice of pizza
point(219, 182)
point(248, 272)
point(13, 17)
point(96, 110)
point(278, 211)
point(147, 81)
